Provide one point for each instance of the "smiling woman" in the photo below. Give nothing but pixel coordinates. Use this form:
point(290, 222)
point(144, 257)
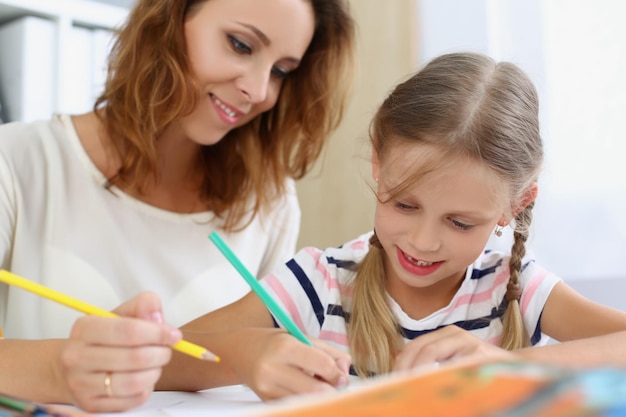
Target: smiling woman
point(257, 45)
point(210, 110)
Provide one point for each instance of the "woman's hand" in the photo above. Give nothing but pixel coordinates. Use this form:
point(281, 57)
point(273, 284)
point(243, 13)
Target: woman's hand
point(275, 364)
point(447, 344)
point(112, 364)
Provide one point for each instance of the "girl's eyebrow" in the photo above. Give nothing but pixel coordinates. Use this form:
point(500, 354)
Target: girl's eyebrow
point(265, 40)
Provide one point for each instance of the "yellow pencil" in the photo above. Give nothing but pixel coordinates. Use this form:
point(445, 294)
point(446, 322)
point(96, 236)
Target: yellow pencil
point(12, 279)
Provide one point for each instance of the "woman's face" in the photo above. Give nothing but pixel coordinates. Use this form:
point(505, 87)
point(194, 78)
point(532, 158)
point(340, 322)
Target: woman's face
point(240, 51)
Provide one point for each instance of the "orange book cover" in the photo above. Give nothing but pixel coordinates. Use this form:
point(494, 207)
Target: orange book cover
point(473, 390)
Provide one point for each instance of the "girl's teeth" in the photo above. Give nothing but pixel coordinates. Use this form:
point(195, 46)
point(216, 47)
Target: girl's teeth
point(418, 262)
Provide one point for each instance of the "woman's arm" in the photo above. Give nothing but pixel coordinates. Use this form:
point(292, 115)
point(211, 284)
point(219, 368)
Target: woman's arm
point(132, 348)
point(31, 369)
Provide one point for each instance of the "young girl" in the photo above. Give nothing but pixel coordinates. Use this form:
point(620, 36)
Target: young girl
point(456, 156)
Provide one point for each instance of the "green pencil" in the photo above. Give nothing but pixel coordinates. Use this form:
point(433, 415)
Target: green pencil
point(24, 407)
point(278, 312)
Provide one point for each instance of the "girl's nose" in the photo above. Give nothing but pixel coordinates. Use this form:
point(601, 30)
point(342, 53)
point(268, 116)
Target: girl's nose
point(425, 237)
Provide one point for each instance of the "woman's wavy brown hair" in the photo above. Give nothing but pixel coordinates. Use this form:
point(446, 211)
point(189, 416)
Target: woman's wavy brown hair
point(149, 85)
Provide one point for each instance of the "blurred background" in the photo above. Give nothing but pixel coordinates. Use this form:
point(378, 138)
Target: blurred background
point(574, 50)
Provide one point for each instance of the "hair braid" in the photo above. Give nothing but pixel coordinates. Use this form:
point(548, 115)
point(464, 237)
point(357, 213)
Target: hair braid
point(514, 334)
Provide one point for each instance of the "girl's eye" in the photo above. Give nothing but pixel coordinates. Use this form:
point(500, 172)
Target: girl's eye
point(459, 225)
point(239, 46)
point(404, 206)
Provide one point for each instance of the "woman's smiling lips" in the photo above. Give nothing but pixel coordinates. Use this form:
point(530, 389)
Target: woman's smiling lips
point(226, 112)
point(416, 266)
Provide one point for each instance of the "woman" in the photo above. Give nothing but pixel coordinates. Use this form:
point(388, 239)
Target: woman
point(210, 110)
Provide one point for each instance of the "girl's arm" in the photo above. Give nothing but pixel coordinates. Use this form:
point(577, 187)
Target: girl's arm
point(568, 315)
point(591, 334)
point(273, 363)
point(605, 350)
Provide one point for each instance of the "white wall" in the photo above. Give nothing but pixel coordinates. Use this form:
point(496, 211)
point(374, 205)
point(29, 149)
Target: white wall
point(575, 52)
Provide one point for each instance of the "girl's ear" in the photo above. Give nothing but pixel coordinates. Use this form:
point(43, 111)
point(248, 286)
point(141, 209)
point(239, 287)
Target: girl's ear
point(528, 197)
point(375, 165)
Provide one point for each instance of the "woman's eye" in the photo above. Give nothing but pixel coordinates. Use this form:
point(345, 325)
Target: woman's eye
point(280, 72)
point(239, 46)
point(459, 225)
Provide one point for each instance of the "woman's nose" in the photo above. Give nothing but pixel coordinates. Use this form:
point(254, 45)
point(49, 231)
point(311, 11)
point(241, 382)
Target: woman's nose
point(255, 85)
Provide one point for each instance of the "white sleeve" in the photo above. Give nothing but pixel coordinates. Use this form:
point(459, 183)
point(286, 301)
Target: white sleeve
point(7, 225)
point(283, 230)
point(7, 210)
point(537, 283)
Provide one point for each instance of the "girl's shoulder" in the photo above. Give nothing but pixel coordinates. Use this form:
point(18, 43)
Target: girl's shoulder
point(493, 265)
point(344, 257)
point(352, 251)
point(489, 262)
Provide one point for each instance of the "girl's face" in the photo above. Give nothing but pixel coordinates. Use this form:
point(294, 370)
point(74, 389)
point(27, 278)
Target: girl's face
point(437, 227)
point(240, 51)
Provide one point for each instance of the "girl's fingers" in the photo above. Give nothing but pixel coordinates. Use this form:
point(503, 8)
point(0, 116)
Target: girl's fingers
point(435, 347)
point(285, 366)
point(445, 344)
point(287, 380)
point(336, 373)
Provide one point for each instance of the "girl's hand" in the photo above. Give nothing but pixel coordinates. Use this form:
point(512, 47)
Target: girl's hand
point(275, 364)
point(112, 364)
point(446, 344)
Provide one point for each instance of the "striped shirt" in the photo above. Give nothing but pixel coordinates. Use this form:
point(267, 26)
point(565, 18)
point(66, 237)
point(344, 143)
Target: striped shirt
point(314, 289)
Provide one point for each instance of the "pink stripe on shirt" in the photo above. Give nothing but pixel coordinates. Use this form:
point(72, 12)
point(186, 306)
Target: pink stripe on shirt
point(331, 336)
point(474, 298)
point(359, 244)
point(285, 299)
point(530, 289)
point(331, 282)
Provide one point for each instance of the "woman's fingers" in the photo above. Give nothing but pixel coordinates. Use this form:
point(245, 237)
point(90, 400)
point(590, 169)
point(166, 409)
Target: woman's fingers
point(106, 392)
point(146, 305)
point(123, 331)
point(112, 364)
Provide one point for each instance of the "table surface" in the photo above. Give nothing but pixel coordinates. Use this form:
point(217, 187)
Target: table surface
point(231, 401)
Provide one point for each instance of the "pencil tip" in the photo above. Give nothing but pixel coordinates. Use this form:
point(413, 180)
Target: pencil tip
point(209, 356)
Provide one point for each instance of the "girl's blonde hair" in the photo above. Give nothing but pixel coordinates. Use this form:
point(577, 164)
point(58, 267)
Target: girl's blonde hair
point(149, 85)
point(467, 105)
